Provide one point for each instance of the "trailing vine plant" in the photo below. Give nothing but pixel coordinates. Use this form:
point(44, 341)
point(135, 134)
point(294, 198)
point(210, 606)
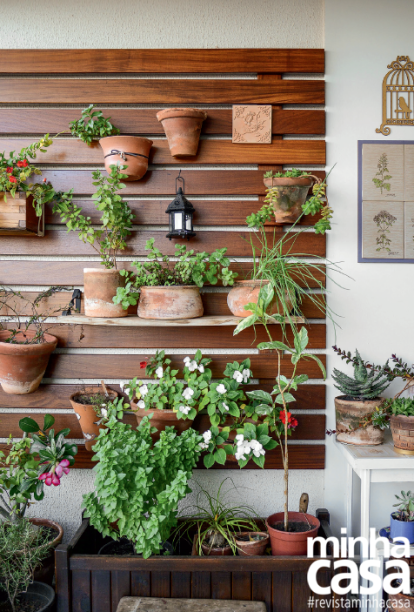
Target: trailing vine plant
point(91, 125)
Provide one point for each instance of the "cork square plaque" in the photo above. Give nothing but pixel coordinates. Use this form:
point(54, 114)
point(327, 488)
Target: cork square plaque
point(252, 124)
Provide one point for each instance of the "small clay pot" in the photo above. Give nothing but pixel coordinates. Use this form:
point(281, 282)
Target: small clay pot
point(291, 543)
point(290, 194)
point(174, 302)
point(130, 151)
point(253, 548)
point(402, 430)
point(100, 287)
point(86, 414)
point(182, 127)
point(22, 366)
point(161, 419)
point(349, 414)
point(246, 292)
point(45, 571)
point(216, 552)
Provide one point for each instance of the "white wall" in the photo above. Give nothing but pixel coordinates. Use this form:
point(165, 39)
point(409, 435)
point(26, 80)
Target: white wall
point(361, 39)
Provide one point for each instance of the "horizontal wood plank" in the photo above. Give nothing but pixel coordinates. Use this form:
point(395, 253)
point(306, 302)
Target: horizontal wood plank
point(62, 61)
point(52, 397)
point(159, 91)
point(144, 121)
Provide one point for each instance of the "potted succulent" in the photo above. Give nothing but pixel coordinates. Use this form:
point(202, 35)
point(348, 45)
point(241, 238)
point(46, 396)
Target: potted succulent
point(173, 292)
point(402, 520)
point(170, 401)
point(101, 284)
point(182, 126)
point(402, 424)
point(137, 496)
point(24, 351)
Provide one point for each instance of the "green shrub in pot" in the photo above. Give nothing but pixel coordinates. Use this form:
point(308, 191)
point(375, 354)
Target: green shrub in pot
point(92, 125)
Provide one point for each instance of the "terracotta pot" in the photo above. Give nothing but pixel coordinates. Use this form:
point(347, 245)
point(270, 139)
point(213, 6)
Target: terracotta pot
point(175, 302)
point(161, 419)
point(255, 547)
point(349, 414)
point(130, 151)
point(247, 291)
point(100, 287)
point(182, 126)
point(400, 602)
point(402, 429)
point(216, 552)
point(291, 543)
point(290, 196)
point(45, 572)
point(22, 366)
point(86, 415)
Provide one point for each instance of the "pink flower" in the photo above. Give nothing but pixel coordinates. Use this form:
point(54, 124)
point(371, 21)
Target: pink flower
point(62, 468)
point(55, 480)
point(48, 479)
point(43, 476)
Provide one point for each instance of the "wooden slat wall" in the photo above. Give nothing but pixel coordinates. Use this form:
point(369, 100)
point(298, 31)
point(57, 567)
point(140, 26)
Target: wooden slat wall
point(223, 196)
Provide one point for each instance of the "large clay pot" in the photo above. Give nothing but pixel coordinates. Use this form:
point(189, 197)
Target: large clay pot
point(174, 302)
point(216, 552)
point(349, 414)
point(290, 196)
point(182, 127)
point(291, 543)
point(22, 366)
point(45, 572)
point(253, 548)
point(130, 151)
point(161, 419)
point(246, 292)
point(402, 429)
point(100, 287)
point(86, 414)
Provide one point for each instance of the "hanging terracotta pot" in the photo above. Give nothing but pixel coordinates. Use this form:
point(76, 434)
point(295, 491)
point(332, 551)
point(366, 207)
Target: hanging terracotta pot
point(246, 292)
point(292, 542)
point(290, 195)
point(170, 302)
point(100, 287)
point(247, 546)
point(182, 127)
point(22, 366)
point(349, 415)
point(402, 429)
point(161, 419)
point(86, 414)
point(130, 151)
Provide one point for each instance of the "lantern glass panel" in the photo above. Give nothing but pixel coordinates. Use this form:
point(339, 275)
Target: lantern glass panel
point(188, 222)
point(178, 221)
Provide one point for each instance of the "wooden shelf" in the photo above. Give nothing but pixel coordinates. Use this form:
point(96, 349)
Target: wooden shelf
point(134, 321)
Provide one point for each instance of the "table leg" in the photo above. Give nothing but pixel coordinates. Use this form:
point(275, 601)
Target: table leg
point(349, 499)
point(365, 503)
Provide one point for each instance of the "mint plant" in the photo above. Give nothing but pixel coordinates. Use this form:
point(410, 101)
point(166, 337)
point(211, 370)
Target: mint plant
point(91, 125)
point(137, 495)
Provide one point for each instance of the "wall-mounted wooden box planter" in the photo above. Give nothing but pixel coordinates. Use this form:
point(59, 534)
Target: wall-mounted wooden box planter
point(89, 582)
point(18, 217)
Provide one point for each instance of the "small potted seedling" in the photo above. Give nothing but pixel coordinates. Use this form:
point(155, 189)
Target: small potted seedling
point(402, 519)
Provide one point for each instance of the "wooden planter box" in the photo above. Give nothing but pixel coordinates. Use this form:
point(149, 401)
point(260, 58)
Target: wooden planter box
point(18, 217)
point(87, 582)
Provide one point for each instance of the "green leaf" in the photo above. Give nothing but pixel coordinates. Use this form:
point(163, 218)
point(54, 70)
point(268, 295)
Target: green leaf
point(208, 460)
point(273, 345)
point(220, 456)
point(49, 421)
point(245, 323)
point(260, 395)
point(28, 425)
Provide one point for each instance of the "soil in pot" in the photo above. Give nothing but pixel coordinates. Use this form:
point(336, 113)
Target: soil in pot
point(130, 151)
point(100, 286)
point(246, 292)
point(161, 419)
point(86, 405)
point(22, 365)
point(294, 541)
point(38, 598)
point(174, 302)
point(252, 543)
point(290, 194)
point(182, 126)
point(349, 414)
point(124, 547)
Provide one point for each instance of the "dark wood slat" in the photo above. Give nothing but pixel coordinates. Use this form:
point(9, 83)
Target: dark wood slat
point(241, 587)
point(160, 584)
point(262, 588)
point(120, 587)
point(220, 585)
point(100, 590)
point(200, 585)
point(71, 151)
point(60, 242)
point(144, 121)
point(141, 584)
point(324, 580)
point(282, 590)
point(56, 61)
point(81, 591)
point(300, 591)
point(159, 91)
point(181, 585)
point(127, 366)
point(55, 397)
point(162, 182)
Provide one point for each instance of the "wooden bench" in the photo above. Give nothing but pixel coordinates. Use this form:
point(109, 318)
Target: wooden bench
point(158, 604)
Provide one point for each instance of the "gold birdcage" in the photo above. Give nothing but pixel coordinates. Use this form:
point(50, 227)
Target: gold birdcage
point(397, 95)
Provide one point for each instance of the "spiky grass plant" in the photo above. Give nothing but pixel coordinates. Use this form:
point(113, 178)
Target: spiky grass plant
point(366, 384)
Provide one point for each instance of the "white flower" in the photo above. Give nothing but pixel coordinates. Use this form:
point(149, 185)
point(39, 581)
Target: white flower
point(104, 412)
point(159, 372)
point(143, 390)
point(246, 375)
point(188, 393)
point(201, 368)
point(207, 438)
point(226, 408)
point(221, 389)
point(257, 448)
point(141, 404)
point(239, 438)
point(192, 365)
point(243, 449)
point(238, 376)
point(184, 409)
point(186, 360)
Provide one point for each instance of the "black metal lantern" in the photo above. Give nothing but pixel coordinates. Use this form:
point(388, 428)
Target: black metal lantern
point(181, 213)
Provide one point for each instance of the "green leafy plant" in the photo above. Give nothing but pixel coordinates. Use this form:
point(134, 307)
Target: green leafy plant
point(366, 384)
point(215, 523)
point(383, 174)
point(185, 396)
point(403, 406)
point(137, 495)
point(116, 217)
point(40, 458)
point(92, 125)
point(22, 549)
point(191, 269)
point(405, 506)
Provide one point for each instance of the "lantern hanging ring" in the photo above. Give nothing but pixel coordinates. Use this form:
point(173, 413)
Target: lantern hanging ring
point(179, 178)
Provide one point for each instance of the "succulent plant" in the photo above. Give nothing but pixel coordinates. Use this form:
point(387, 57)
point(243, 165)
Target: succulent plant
point(366, 383)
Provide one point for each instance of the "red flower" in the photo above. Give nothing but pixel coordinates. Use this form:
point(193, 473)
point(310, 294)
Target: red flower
point(22, 164)
point(294, 422)
point(143, 364)
point(9, 170)
point(12, 179)
point(282, 416)
point(44, 180)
